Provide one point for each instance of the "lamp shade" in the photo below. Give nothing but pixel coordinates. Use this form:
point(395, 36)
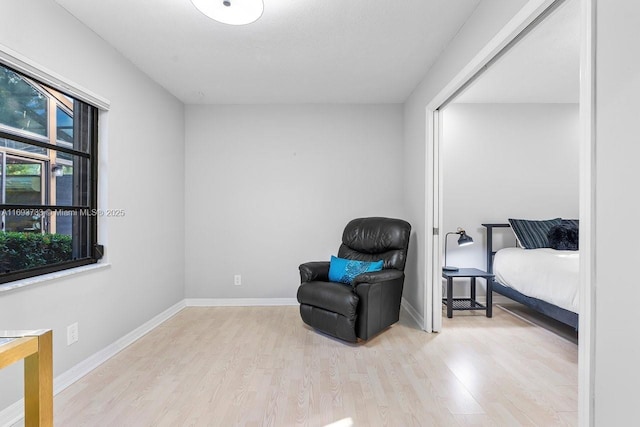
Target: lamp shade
point(464, 239)
point(232, 12)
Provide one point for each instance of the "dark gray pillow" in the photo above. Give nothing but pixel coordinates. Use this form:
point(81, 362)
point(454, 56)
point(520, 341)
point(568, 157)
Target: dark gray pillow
point(532, 234)
point(563, 237)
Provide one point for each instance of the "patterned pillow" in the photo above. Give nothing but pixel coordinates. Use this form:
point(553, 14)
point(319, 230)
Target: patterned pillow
point(345, 270)
point(571, 222)
point(564, 237)
point(533, 234)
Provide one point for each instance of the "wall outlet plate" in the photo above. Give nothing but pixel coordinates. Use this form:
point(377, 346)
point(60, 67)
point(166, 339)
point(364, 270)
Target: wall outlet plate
point(72, 333)
point(237, 280)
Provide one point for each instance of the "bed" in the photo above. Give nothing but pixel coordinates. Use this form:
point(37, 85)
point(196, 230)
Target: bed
point(543, 279)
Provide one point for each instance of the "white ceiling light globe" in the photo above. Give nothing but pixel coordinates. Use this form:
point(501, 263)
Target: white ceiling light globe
point(232, 12)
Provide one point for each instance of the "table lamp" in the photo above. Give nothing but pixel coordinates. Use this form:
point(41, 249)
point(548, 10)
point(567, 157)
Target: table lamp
point(463, 240)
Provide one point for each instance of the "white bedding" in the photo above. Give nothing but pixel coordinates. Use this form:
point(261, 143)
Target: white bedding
point(546, 274)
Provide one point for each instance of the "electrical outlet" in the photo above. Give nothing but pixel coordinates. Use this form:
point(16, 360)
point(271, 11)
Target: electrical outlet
point(237, 280)
point(72, 333)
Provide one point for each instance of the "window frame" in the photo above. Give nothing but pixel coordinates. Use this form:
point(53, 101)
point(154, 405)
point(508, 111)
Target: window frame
point(87, 228)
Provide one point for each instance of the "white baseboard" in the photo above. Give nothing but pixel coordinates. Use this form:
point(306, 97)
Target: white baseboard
point(69, 377)
point(15, 412)
point(417, 317)
point(12, 414)
point(239, 302)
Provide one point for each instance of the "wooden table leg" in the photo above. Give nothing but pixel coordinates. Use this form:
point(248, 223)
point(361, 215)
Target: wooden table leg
point(38, 384)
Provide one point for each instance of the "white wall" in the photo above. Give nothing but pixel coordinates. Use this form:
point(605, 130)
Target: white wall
point(145, 151)
point(505, 161)
point(489, 18)
point(617, 211)
point(270, 187)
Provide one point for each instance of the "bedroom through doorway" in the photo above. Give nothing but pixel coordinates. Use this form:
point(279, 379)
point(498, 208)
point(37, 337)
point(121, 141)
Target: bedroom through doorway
point(510, 149)
point(531, 18)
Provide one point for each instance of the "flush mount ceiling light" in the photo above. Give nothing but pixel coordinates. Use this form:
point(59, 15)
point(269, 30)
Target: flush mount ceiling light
point(232, 12)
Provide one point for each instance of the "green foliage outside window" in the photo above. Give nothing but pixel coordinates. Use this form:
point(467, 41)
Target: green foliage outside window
point(21, 251)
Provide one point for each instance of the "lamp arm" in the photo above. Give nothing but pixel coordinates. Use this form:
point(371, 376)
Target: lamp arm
point(445, 245)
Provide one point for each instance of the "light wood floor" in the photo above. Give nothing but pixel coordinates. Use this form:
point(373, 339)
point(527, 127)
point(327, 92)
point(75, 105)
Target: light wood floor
point(261, 366)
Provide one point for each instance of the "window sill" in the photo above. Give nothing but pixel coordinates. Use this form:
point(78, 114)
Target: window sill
point(18, 284)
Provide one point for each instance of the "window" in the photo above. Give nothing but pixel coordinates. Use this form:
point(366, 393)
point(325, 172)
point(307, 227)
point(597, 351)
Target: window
point(48, 179)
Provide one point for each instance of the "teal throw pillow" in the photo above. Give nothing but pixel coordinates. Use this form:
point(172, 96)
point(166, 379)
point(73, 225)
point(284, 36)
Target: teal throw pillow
point(345, 270)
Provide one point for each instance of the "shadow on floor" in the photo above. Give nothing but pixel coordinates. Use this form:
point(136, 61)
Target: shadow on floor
point(565, 331)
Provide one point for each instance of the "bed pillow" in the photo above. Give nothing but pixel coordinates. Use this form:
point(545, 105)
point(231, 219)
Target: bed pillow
point(345, 270)
point(563, 237)
point(532, 234)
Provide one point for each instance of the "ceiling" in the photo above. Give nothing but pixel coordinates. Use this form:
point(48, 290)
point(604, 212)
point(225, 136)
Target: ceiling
point(543, 67)
point(302, 51)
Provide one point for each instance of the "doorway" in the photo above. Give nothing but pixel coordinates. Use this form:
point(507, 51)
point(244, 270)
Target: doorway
point(523, 23)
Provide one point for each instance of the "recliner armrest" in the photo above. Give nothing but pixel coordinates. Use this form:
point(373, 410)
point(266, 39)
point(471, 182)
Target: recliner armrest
point(380, 295)
point(377, 277)
point(316, 270)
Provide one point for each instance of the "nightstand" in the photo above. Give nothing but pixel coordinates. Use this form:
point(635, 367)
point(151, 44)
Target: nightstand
point(467, 303)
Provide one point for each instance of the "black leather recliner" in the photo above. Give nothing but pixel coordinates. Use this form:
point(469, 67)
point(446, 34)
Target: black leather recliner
point(372, 302)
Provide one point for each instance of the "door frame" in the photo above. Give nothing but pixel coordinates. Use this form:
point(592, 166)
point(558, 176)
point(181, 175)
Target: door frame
point(533, 11)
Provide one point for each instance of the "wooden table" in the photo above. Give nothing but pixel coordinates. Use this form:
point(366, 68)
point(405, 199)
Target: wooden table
point(35, 347)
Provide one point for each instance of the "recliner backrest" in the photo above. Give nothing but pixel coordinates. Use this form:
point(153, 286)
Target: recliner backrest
point(376, 238)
